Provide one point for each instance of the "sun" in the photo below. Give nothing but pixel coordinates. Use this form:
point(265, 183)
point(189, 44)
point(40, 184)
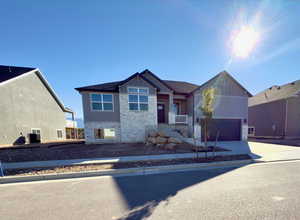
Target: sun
point(245, 41)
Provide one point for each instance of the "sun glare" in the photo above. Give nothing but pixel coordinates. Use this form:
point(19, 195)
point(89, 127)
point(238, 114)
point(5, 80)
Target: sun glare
point(245, 41)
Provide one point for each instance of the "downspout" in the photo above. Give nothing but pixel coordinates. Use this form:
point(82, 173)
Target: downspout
point(286, 110)
point(193, 116)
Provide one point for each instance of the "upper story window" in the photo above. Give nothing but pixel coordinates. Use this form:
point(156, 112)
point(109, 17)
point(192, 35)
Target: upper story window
point(101, 102)
point(138, 99)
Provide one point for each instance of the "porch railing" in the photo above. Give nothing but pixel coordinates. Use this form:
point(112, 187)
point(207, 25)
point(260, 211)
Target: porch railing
point(181, 119)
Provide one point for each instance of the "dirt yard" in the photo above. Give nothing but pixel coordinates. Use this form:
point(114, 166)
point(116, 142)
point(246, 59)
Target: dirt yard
point(80, 150)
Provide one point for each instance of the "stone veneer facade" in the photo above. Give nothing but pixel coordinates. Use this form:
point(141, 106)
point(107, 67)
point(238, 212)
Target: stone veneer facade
point(134, 124)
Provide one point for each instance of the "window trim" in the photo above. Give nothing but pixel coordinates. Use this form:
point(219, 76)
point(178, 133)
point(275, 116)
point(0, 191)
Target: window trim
point(138, 94)
point(35, 129)
point(98, 93)
point(61, 133)
point(253, 134)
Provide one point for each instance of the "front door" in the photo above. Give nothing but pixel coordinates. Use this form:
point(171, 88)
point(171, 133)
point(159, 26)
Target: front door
point(161, 113)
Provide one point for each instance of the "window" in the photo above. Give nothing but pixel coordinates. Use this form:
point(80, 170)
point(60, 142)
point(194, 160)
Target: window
point(101, 102)
point(36, 131)
point(138, 99)
point(251, 131)
point(104, 133)
point(59, 133)
point(176, 108)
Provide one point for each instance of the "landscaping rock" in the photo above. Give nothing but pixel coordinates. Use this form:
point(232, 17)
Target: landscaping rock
point(162, 133)
point(152, 140)
point(161, 140)
point(152, 133)
point(174, 140)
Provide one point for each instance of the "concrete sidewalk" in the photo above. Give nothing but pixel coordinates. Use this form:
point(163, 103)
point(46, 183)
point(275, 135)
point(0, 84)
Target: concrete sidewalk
point(85, 161)
point(260, 152)
point(126, 171)
point(263, 152)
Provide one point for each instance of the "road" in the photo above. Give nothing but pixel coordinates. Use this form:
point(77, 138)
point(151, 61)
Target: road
point(258, 191)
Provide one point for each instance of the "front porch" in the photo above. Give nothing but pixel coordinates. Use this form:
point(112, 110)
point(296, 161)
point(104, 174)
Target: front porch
point(172, 109)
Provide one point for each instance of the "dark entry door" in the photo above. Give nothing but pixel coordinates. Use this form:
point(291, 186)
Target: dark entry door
point(161, 113)
point(229, 130)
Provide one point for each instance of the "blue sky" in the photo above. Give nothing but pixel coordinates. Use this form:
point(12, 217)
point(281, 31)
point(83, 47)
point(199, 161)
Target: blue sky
point(78, 43)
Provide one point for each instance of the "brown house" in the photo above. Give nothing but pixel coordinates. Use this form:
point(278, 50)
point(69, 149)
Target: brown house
point(275, 112)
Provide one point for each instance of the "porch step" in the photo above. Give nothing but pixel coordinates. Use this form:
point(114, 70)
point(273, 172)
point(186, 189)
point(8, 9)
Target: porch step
point(192, 141)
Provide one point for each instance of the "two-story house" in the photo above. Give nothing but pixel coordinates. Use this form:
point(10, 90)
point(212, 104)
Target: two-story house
point(29, 105)
point(123, 111)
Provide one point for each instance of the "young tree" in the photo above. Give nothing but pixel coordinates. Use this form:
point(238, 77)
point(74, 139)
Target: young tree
point(207, 109)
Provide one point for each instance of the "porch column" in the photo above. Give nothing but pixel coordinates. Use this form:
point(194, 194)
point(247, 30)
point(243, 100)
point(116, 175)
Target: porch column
point(171, 112)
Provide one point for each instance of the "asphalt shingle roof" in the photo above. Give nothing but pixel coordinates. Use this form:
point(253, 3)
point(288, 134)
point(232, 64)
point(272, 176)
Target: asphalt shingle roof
point(9, 72)
point(181, 87)
point(109, 87)
point(176, 86)
point(275, 93)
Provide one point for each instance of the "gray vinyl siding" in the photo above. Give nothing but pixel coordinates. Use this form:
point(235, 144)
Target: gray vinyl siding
point(225, 107)
point(267, 116)
point(293, 118)
point(25, 104)
point(225, 86)
point(231, 100)
point(158, 83)
point(100, 116)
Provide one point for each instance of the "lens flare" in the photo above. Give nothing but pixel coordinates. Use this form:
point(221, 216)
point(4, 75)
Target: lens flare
point(244, 41)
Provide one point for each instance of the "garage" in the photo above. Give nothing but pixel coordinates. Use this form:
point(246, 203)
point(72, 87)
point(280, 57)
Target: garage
point(229, 130)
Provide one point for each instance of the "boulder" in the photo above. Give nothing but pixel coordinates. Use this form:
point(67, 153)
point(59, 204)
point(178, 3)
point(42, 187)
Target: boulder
point(161, 140)
point(170, 146)
point(152, 133)
point(152, 140)
point(162, 133)
point(174, 140)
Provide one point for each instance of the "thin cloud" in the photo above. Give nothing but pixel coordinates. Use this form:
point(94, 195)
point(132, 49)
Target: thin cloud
point(287, 47)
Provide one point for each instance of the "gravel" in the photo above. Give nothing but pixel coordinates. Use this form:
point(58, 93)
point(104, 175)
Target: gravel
point(90, 167)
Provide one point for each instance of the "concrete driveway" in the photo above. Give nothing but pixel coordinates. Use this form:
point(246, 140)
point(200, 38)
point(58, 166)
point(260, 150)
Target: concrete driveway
point(263, 151)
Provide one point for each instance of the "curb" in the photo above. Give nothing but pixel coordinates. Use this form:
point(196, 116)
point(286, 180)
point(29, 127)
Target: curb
point(86, 161)
point(124, 172)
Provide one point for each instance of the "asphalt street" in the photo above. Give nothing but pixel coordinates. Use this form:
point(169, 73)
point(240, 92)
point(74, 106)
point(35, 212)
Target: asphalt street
point(258, 191)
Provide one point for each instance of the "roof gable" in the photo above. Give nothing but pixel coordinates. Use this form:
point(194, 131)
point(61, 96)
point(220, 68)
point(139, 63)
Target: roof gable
point(13, 72)
point(114, 86)
point(275, 93)
point(10, 72)
point(161, 84)
point(226, 85)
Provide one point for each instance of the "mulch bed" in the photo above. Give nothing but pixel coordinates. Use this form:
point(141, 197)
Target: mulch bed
point(81, 150)
point(90, 167)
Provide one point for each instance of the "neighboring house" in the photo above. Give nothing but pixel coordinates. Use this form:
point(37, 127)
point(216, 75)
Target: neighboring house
point(29, 105)
point(123, 111)
point(275, 112)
